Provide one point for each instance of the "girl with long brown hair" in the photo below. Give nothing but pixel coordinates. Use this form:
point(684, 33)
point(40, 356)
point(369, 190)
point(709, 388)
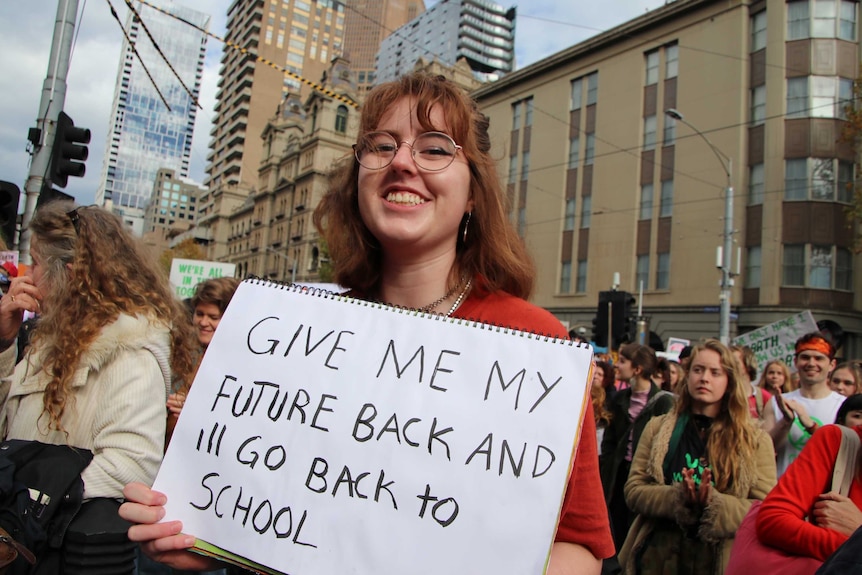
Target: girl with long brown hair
point(696, 472)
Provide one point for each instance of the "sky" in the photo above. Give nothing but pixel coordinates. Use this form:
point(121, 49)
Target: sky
point(543, 27)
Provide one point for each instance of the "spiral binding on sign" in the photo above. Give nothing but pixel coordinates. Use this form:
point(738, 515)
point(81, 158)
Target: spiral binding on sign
point(469, 322)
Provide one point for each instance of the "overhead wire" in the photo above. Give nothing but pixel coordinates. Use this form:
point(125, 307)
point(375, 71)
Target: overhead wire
point(234, 46)
point(164, 57)
point(134, 50)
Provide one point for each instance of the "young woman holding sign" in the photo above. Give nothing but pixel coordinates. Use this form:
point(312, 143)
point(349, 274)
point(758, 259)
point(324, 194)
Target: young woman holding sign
point(416, 219)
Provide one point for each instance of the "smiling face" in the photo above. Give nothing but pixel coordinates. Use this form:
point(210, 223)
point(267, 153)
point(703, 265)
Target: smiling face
point(813, 367)
point(206, 320)
point(413, 212)
point(707, 382)
point(842, 381)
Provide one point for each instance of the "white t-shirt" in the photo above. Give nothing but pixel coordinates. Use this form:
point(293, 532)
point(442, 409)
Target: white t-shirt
point(823, 411)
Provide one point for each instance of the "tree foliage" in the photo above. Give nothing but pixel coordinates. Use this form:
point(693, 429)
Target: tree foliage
point(187, 249)
point(852, 135)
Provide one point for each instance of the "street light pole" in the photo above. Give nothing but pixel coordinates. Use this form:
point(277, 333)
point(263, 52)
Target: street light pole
point(725, 255)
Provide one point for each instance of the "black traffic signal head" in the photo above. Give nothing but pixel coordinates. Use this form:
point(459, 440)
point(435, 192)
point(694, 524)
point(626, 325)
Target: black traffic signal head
point(624, 318)
point(69, 151)
point(600, 322)
point(9, 197)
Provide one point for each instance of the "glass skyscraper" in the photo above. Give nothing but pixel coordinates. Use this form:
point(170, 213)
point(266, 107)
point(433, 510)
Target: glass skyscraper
point(145, 134)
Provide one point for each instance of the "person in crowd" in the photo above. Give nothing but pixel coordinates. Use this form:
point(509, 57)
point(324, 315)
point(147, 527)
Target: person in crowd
point(775, 378)
point(696, 472)
point(846, 379)
point(792, 418)
point(598, 397)
point(631, 409)
point(661, 376)
point(209, 303)
point(417, 220)
point(110, 341)
point(850, 412)
point(604, 370)
point(757, 396)
point(677, 375)
point(685, 357)
point(798, 516)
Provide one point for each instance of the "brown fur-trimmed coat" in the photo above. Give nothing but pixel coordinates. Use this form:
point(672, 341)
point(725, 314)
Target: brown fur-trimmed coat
point(648, 496)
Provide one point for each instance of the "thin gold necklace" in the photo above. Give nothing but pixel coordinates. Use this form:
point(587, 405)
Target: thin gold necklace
point(430, 307)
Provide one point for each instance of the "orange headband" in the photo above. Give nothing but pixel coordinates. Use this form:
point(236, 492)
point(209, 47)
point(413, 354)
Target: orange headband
point(815, 344)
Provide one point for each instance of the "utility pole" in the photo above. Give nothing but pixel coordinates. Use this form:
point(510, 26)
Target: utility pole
point(53, 98)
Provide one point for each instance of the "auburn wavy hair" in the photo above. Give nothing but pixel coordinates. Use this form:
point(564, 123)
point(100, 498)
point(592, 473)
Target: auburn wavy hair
point(93, 271)
point(732, 436)
point(492, 247)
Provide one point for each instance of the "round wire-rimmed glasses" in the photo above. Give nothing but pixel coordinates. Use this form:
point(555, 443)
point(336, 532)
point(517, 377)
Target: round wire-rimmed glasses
point(431, 151)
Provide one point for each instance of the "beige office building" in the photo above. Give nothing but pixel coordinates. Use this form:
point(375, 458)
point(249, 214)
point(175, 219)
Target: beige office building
point(602, 181)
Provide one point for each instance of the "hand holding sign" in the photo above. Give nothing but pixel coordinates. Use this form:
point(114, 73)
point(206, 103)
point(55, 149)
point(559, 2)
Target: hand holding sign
point(337, 435)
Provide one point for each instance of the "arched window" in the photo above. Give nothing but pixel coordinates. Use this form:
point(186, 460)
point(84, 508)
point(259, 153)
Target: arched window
point(341, 119)
point(314, 119)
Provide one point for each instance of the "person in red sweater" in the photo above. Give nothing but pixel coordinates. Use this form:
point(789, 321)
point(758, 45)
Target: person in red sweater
point(416, 219)
point(803, 492)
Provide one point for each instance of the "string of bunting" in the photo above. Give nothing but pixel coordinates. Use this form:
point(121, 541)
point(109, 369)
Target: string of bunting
point(269, 63)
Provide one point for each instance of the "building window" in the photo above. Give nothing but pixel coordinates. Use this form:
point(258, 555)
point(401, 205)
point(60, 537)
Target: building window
point(525, 165)
point(569, 221)
point(574, 152)
point(794, 265)
point(513, 169)
point(797, 97)
point(758, 31)
point(755, 185)
point(829, 267)
point(646, 202)
point(669, 131)
point(516, 116)
point(831, 19)
point(586, 211)
point(577, 93)
point(522, 222)
point(649, 132)
point(795, 180)
point(758, 105)
point(528, 113)
point(589, 149)
point(341, 119)
point(819, 179)
point(666, 199)
point(844, 191)
point(662, 271)
point(566, 277)
point(581, 284)
point(652, 67)
point(642, 275)
point(671, 63)
point(752, 267)
point(592, 88)
point(843, 269)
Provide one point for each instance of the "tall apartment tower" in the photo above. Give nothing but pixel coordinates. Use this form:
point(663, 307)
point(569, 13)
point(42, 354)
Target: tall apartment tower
point(368, 23)
point(146, 135)
point(301, 36)
point(480, 31)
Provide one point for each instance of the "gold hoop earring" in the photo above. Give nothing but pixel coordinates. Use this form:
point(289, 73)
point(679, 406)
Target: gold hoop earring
point(466, 225)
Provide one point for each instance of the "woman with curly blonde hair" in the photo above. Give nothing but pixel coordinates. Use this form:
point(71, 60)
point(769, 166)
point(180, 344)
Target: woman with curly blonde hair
point(696, 472)
point(110, 340)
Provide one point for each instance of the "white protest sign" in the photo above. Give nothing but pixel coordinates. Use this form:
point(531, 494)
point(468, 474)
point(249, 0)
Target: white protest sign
point(186, 274)
point(778, 340)
point(325, 435)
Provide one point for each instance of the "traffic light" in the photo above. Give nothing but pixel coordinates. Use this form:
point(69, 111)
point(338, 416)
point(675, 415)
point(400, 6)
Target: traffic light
point(600, 322)
point(69, 151)
point(623, 318)
point(9, 196)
